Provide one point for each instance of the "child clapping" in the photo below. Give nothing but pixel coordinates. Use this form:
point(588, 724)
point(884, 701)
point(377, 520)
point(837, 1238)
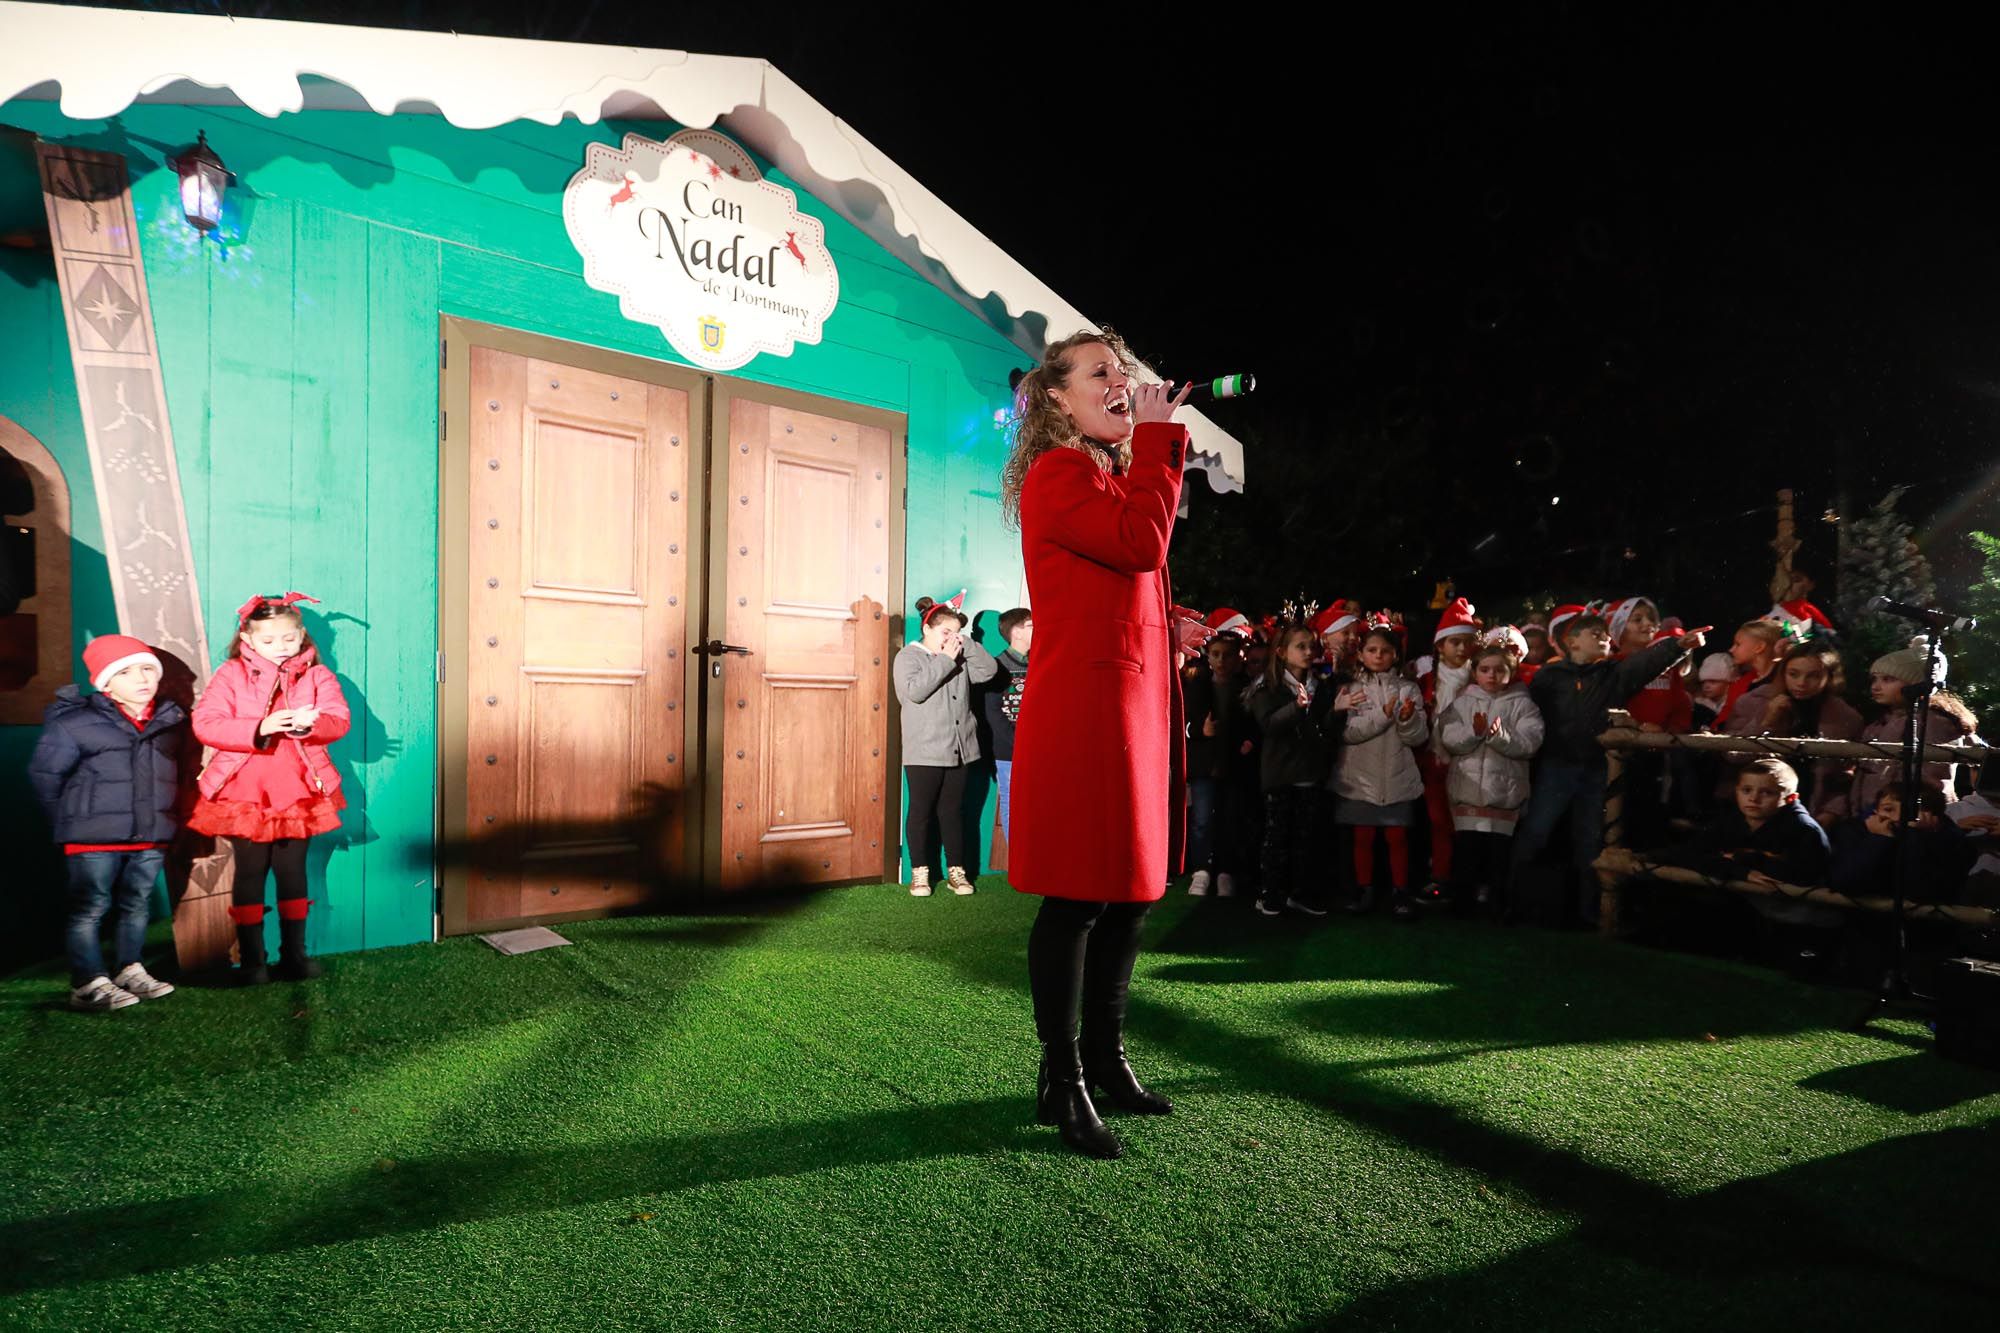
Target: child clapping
point(1489, 733)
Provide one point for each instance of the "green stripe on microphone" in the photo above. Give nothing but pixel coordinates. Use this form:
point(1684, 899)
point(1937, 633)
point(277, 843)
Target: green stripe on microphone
point(1229, 386)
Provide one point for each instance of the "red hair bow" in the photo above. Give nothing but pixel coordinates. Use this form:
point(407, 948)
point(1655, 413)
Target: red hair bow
point(289, 599)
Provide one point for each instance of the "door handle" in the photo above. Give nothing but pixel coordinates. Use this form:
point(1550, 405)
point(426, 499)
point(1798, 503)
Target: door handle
point(715, 646)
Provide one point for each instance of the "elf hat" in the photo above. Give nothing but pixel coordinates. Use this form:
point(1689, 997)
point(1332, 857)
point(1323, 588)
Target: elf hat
point(109, 654)
point(1457, 619)
point(1228, 620)
point(955, 605)
point(1718, 666)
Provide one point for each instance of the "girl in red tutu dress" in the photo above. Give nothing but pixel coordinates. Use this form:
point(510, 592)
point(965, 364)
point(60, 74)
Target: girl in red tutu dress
point(269, 713)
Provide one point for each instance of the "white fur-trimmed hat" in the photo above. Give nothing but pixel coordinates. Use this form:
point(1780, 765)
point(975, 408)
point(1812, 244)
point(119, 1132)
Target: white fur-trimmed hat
point(109, 654)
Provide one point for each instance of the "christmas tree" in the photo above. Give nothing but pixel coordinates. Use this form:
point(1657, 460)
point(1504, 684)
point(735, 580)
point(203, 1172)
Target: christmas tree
point(1975, 657)
point(1880, 559)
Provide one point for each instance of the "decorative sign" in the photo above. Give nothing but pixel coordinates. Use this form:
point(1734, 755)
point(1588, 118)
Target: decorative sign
point(119, 387)
point(690, 237)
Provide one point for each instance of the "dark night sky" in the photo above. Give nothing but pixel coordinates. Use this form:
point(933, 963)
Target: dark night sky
point(1658, 265)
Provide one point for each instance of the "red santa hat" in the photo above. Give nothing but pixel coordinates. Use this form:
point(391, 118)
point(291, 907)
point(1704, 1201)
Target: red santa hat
point(109, 654)
point(1457, 619)
point(1335, 618)
point(1228, 620)
point(955, 605)
point(1562, 615)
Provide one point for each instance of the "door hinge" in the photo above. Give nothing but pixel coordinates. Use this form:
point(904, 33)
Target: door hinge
point(906, 499)
point(440, 666)
point(444, 354)
point(443, 416)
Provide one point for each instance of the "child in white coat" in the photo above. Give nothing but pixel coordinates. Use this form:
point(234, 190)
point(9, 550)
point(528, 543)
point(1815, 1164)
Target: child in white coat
point(1376, 775)
point(1489, 733)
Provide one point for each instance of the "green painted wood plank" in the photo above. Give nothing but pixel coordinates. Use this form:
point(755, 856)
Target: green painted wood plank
point(399, 769)
point(329, 462)
point(253, 520)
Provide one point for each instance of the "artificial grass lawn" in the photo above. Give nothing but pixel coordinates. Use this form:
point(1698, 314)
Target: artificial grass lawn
point(819, 1116)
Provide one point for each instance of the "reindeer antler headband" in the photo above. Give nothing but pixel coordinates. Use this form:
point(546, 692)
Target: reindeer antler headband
point(289, 600)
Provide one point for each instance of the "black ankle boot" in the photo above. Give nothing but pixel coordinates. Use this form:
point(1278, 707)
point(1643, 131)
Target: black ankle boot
point(1061, 1099)
point(1106, 1069)
point(293, 965)
point(250, 966)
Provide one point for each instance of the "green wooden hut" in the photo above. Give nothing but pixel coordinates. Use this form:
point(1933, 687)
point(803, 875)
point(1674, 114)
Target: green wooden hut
point(560, 374)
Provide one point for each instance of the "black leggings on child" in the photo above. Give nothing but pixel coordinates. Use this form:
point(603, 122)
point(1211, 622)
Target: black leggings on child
point(286, 858)
point(936, 793)
point(1294, 824)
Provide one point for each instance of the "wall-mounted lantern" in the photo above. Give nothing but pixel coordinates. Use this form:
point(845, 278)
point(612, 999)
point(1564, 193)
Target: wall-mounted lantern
point(203, 179)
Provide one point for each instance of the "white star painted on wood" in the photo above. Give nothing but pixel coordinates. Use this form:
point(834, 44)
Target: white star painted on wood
point(107, 308)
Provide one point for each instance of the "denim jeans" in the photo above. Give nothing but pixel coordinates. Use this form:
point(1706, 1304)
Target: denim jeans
point(102, 883)
point(1203, 798)
point(1003, 770)
point(1575, 792)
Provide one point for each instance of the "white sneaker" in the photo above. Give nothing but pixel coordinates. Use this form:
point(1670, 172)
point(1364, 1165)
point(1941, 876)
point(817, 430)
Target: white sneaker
point(920, 883)
point(134, 978)
point(98, 995)
point(956, 881)
point(1198, 886)
point(1225, 885)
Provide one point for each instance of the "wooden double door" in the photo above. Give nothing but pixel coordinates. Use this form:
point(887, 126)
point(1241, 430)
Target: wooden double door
point(667, 626)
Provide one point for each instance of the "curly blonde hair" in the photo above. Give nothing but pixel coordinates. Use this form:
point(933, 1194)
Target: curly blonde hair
point(1039, 423)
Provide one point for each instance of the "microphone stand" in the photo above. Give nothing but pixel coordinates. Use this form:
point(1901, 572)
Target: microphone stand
point(1895, 991)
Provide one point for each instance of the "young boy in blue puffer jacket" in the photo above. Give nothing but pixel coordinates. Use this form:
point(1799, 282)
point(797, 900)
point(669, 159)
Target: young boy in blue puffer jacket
point(107, 773)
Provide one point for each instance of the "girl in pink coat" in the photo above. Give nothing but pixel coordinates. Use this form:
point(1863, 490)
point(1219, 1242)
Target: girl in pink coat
point(268, 714)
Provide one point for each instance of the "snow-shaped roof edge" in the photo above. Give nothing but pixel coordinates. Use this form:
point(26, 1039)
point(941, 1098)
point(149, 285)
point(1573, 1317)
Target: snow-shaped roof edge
point(96, 62)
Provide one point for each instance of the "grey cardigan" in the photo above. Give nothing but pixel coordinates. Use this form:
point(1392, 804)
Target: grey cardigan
point(939, 729)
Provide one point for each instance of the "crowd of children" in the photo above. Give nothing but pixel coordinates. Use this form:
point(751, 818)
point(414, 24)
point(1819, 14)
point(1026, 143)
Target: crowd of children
point(1322, 763)
point(1344, 762)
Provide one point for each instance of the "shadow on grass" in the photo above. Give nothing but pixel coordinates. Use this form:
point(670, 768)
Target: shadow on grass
point(1916, 1084)
point(1862, 1225)
point(388, 1199)
point(1863, 1239)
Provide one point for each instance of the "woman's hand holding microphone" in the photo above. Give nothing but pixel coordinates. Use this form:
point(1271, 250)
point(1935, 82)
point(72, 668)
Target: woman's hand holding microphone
point(1155, 402)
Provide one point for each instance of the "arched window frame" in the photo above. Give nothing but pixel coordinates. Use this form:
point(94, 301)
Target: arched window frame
point(51, 603)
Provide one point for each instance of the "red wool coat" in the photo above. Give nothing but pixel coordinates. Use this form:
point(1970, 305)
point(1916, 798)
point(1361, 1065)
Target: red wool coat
point(1098, 800)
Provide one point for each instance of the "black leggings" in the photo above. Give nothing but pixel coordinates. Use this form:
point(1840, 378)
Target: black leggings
point(1080, 957)
point(286, 858)
point(938, 792)
point(1294, 827)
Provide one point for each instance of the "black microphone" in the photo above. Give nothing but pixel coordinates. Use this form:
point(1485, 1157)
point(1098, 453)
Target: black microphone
point(1925, 615)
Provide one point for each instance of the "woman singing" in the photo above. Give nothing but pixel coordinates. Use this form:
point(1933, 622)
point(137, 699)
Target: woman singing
point(1093, 483)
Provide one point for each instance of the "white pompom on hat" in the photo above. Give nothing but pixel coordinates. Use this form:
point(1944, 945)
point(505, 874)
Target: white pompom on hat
point(109, 654)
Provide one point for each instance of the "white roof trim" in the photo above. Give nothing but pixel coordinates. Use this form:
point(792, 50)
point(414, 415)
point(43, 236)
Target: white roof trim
point(96, 62)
